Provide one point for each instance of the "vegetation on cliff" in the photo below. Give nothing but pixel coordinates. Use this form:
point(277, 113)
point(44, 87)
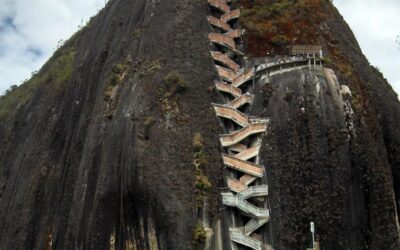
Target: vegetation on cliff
point(55, 74)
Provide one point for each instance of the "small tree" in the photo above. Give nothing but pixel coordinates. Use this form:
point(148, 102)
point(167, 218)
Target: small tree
point(11, 89)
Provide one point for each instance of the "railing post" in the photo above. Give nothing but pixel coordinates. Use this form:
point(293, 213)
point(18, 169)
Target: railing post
point(312, 229)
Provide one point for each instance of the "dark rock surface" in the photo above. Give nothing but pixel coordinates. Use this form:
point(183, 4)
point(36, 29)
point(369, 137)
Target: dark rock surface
point(105, 159)
point(79, 166)
point(349, 187)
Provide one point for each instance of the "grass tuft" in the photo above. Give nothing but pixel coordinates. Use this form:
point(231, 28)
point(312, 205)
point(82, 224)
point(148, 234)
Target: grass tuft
point(55, 74)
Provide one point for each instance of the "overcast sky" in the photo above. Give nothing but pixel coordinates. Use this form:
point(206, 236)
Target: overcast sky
point(31, 29)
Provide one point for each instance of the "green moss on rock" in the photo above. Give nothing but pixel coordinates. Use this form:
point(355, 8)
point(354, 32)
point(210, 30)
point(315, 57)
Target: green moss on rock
point(199, 233)
point(55, 74)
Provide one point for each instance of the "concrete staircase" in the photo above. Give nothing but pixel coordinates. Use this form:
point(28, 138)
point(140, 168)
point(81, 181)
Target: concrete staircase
point(239, 237)
point(254, 191)
point(232, 114)
point(243, 166)
point(254, 224)
point(218, 23)
point(226, 74)
point(243, 77)
point(231, 200)
point(248, 153)
point(223, 40)
point(231, 15)
point(241, 100)
point(228, 88)
point(224, 59)
point(239, 135)
point(220, 5)
point(248, 192)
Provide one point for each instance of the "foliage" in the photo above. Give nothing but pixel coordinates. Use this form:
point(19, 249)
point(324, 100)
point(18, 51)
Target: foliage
point(55, 74)
point(175, 82)
point(199, 233)
point(117, 75)
point(279, 40)
point(137, 32)
point(201, 158)
point(149, 67)
point(150, 120)
point(288, 96)
point(272, 24)
point(327, 61)
point(264, 11)
point(202, 183)
point(120, 68)
point(198, 141)
point(345, 69)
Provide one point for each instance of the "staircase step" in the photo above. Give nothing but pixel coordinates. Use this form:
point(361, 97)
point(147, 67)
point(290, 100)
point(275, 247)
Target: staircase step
point(231, 114)
point(228, 88)
point(231, 200)
point(238, 147)
point(219, 23)
point(247, 179)
point(248, 153)
point(226, 74)
point(224, 59)
point(236, 186)
point(234, 14)
point(243, 166)
point(254, 224)
point(239, 237)
point(220, 4)
point(254, 191)
point(223, 40)
point(243, 77)
point(239, 135)
point(241, 100)
point(237, 33)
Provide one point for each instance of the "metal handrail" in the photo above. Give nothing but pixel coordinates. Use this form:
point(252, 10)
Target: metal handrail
point(230, 15)
point(232, 114)
point(228, 88)
point(239, 135)
point(220, 4)
point(244, 77)
point(249, 153)
point(239, 237)
point(253, 191)
point(254, 224)
point(243, 166)
point(230, 199)
point(219, 23)
point(241, 100)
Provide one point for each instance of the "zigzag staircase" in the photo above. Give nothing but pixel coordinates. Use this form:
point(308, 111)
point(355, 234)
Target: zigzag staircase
point(247, 191)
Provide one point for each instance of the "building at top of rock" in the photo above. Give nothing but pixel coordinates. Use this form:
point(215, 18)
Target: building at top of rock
point(307, 50)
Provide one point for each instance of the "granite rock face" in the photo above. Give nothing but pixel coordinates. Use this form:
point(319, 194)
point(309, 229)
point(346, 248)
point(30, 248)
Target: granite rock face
point(97, 150)
point(106, 160)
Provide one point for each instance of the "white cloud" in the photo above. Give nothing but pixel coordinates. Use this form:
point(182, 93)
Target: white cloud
point(376, 29)
point(30, 31)
point(42, 23)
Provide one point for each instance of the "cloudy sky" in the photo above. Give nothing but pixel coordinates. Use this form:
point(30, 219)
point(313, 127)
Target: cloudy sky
point(31, 29)
point(374, 24)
